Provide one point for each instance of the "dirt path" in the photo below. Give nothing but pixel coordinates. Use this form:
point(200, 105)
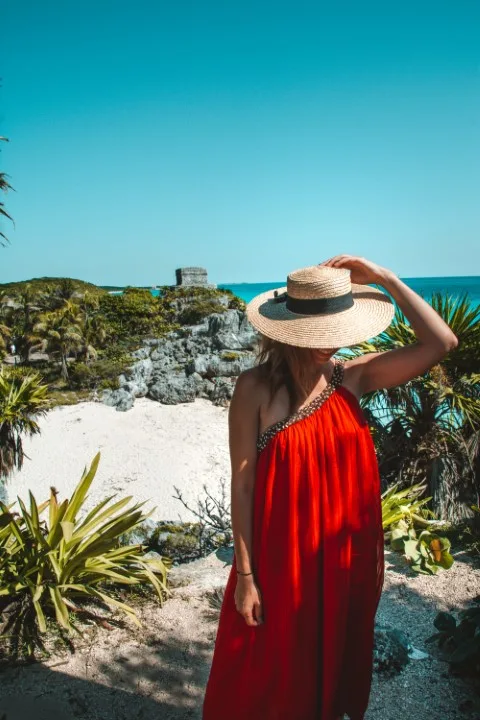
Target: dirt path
point(159, 672)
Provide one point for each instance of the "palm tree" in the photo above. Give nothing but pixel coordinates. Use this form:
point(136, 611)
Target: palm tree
point(22, 401)
point(94, 333)
point(26, 311)
point(423, 429)
point(4, 187)
point(4, 336)
point(60, 331)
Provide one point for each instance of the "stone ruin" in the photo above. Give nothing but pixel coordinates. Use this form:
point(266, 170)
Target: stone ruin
point(188, 276)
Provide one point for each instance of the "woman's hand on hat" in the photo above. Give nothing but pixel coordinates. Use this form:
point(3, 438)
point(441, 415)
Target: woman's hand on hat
point(362, 271)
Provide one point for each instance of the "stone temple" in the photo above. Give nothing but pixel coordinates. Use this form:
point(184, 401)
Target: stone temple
point(192, 276)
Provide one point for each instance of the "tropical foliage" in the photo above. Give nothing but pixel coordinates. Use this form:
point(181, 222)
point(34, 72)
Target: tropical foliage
point(87, 333)
point(50, 566)
point(4, 188)
point(427, 430)
point(22, 401)
point(60, 332)
point(459, 639)
point(133, 315)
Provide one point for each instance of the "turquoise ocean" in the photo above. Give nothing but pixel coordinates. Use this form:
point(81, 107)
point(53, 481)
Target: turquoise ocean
point(455, 286)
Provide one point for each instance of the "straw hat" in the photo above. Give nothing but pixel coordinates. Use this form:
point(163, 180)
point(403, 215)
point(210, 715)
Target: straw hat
point(321, 308)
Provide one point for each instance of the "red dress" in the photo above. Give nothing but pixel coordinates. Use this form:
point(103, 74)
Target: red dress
point(317, 552)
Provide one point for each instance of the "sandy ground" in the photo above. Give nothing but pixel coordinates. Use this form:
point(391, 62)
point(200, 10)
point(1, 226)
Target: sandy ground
point(145, 452)
point(160, 671)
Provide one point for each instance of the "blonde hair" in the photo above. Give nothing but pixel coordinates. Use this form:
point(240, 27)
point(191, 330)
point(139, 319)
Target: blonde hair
point(289, 366)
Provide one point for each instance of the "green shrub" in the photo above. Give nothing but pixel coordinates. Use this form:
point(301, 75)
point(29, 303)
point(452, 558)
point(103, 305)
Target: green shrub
point(101, 373)
point(460, 641)
point(424, 551)
point(133, 315)
point(174, 303)
point(197, 310)
point(49, 566)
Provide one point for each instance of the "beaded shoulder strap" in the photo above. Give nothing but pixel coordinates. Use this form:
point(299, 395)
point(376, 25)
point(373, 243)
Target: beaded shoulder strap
point(311, 407)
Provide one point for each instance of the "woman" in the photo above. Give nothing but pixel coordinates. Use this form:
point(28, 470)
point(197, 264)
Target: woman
point(295, 634)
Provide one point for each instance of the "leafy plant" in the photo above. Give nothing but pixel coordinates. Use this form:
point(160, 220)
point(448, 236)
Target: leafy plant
point(49, 566)
point(197, 310)
point(460, 639)
point(425, 552)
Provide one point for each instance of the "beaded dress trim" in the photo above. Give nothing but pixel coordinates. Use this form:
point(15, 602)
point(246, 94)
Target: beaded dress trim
point(309, 409)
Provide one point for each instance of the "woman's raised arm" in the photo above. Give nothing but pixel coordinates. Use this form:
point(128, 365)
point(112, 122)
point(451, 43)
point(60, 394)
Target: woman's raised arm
point(435, 338)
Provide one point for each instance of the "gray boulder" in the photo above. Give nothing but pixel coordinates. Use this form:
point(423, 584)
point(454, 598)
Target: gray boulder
point(142, 352)
point(222, 391)
point(140, 372)
point(173, 389)
point(214, 365)
point(136, 389)
point(231, 331)
point(120, 399)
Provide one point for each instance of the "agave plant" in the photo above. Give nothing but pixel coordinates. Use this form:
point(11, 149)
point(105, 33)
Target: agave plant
point(23, 399)
point(422, 429)
point(403, 504)
point(48, 566)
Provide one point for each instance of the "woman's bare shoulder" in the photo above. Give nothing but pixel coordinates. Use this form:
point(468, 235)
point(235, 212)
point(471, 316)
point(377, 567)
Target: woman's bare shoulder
point(251, 387)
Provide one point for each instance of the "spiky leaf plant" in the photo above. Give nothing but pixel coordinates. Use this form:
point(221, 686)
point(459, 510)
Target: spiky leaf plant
point(49, 566)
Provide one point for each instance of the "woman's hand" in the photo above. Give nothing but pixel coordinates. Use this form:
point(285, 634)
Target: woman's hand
point(386, 369)
point(362, 271)
point(248, 600)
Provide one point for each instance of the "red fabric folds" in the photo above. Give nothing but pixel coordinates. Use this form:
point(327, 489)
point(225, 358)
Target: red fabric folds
point(319, 563)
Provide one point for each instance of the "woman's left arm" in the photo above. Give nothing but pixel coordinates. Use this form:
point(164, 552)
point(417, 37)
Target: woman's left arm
point(395, 367)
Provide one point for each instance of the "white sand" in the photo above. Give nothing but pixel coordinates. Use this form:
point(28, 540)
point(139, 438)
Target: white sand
point(145, 452)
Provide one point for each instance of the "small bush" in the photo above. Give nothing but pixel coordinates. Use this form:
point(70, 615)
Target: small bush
point(197, 310)
point(180, 543)
point(100, 374)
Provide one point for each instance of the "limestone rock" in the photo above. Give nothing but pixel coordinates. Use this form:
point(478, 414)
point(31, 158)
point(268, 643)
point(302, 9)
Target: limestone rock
point(173, 389)
point(119, 399)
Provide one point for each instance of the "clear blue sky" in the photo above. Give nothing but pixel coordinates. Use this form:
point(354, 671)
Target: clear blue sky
point(250, 138)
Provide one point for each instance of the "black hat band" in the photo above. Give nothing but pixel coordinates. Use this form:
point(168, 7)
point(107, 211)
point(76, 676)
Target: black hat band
point(315, 306)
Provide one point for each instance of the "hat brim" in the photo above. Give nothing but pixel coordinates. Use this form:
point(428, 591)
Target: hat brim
point(371, 313)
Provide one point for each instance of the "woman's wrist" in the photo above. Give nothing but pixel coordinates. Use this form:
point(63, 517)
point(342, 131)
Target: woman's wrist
point(246, 576)
point(387, 279)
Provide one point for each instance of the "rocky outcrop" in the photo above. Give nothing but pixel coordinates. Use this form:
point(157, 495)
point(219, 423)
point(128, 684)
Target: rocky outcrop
point(201, 360)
